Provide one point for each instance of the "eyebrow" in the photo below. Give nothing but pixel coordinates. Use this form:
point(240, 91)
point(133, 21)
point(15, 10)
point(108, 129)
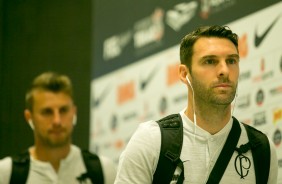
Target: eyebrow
point(215, 56)
point(234, 55)
point(61, 107)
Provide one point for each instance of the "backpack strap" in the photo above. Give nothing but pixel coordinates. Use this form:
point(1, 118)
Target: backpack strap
point(20, 168)
point(21, 163)
point(226, 153)
point(93, 166)
point(171, 144)
point(259, 144)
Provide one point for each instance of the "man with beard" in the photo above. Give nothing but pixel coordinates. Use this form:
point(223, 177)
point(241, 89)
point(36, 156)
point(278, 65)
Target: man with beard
point(210, 70)
point(51, 113)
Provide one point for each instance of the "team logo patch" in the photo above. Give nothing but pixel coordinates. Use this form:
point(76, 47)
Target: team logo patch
point(242, 163)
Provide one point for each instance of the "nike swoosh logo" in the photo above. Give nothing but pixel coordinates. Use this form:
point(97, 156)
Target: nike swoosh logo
point(260, 38)
point(144, 83)
point(100, 98)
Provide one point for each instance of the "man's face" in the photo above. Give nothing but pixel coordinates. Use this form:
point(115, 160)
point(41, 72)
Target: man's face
point(215, 71)
point(52, 116)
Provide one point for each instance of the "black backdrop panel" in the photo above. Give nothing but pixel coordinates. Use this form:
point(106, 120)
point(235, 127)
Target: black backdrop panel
point(117, 24)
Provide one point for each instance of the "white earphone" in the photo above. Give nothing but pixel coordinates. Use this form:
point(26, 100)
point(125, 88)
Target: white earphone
point(74, 119)
point(189, 81)
point(30, 122)
point(194, 113)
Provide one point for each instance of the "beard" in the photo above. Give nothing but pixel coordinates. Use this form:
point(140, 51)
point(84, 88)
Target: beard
point(55, 141)
point(212, 95)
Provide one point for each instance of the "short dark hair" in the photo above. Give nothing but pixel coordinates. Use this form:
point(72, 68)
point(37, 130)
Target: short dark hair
point(187, 43)
point(49, 81)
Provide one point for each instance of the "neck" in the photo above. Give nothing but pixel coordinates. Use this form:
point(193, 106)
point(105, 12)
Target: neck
point(211, 118)
point(51, 155)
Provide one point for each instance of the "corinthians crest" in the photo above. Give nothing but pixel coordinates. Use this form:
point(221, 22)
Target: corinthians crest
point(242, 163)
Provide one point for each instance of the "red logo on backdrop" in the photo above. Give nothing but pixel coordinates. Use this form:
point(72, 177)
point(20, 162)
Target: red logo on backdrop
point(119, 144)
point(243, 46)
point(277, 115)
point(263, 75)
point(172, 74)
point(126, 92)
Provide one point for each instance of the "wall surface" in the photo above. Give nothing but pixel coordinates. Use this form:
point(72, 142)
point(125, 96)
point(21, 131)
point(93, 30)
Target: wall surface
point(135, 73)
point(38, 36)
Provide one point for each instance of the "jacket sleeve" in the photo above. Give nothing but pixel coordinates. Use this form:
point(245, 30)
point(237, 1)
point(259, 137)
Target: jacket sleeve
point(109, 169)
point(5, 170)
point(138, 161)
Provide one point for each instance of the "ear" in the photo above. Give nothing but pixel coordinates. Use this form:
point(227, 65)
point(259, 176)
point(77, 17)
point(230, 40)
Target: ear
point(183, 72)
point(27, 115)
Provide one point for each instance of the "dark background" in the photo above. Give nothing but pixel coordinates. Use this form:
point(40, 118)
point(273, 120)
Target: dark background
point(38, 36)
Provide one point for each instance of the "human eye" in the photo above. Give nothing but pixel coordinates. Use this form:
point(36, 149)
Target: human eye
point(46, 112)
point(232, 61)
point(209, 61)
point(64, 110)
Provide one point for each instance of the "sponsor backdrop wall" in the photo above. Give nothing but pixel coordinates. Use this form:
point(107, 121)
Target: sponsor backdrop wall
point(136, 57)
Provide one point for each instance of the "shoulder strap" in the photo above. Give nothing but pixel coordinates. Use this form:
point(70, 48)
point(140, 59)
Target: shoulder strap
point(21, 163)
point(93, 166)
point(259, 144)
point(171, 144)
point(226, 153)
point(20, 168)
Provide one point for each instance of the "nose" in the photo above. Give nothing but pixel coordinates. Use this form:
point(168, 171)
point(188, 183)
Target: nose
point(57, 118)
point(222, 69)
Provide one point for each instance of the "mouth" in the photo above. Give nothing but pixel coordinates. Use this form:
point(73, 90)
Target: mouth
point(223, 85)
point(56, 131)
point(223, 88)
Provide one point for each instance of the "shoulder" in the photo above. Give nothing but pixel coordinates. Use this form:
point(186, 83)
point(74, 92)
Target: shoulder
point(256, 135)
point(251, 132)
point(149, 125)
point(140, 155)
point(5, 170)
point(5, 161)
point(144, 143)
point(253, 129)
point(75, 149)
point(106, 162)
point(146, 133)
point(109, 169)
